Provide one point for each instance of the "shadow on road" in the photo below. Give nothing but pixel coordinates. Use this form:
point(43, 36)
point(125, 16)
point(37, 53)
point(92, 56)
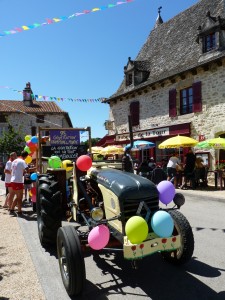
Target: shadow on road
point(156, 278)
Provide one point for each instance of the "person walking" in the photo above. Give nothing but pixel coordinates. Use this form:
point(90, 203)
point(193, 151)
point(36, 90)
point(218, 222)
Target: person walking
point(27, 187)
point(19, 166)
point(171, 168)
point(7, 171)
point(127, 162)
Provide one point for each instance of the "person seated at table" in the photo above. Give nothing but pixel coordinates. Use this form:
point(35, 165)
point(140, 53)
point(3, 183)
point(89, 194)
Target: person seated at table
point(200, 172)
point(144, 170)
point(189, 168)
point(151, 164)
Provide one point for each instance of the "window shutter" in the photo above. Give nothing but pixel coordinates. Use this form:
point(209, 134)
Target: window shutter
point(197, 96)
point(134, 112)
point(173, 103)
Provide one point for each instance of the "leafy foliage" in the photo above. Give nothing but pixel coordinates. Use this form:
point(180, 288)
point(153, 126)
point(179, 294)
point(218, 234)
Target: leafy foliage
point(11, 141)
point(93, 142)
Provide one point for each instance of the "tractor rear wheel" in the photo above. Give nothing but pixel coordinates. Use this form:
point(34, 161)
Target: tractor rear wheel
point(48, 206)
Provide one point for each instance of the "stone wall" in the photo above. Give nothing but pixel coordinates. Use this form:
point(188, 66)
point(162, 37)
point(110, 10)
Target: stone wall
point(24, 122)
point(154, 105)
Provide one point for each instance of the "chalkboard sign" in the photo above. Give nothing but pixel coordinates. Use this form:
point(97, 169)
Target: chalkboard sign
point(64, 151)
point(64, 137)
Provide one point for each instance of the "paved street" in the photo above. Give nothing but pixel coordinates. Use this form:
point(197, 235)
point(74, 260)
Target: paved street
point(111, 277)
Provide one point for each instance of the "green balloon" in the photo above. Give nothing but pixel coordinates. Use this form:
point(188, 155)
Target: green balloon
point(54, 162)
point(136, 229)
point(26, 148)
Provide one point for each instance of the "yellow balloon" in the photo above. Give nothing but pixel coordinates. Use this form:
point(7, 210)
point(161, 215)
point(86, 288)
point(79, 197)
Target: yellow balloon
point(64, 165)
point(136, 229)
point(27, 138)
point(28, 159)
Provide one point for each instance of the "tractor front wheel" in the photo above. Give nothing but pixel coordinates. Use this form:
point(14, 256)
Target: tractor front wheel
point(71, 260)
point(183, 228)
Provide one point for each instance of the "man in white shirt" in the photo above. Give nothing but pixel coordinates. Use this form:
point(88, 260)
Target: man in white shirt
point(17, 182)
point(7, 171)
point(171, 168)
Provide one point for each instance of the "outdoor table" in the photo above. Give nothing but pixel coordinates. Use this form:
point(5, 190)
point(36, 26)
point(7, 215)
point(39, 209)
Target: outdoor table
point(218, 175)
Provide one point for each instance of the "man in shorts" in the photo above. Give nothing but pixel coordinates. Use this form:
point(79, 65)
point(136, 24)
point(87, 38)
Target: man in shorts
point(7, 171)
point(19, 166)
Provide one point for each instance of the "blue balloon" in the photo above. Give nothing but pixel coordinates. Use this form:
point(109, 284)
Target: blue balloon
point(33, 176)
point(162, 223)
point(34, 139)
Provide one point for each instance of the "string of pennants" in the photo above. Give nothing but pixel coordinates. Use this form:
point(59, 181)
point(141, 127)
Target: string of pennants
point(47, 98)
point(59, 19)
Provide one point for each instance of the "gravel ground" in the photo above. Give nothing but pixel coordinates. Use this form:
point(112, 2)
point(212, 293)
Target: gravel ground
point(18, 277)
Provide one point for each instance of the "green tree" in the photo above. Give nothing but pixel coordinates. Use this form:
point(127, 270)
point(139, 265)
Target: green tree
point(11, 141)
point(93, 142)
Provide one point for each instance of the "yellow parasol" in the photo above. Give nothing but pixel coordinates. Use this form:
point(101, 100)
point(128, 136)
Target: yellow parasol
point(217, 143)
point(113, 149)
point(96, 149)
point(178, 142)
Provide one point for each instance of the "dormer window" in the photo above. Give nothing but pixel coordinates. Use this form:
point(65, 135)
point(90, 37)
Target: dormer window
point(210, 34)
point(136, 72)
point(129, 79)
point(209, 42)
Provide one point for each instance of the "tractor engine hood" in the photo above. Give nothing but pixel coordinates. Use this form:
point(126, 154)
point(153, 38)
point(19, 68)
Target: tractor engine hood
point(125, 185)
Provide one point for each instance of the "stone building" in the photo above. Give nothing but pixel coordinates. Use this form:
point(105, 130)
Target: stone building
point(176, 84)
point(27, 115)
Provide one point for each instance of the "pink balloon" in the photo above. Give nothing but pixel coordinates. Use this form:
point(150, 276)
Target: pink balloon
point(33, 191)
point(166, 191)
point(84, 162)
point(98, 237)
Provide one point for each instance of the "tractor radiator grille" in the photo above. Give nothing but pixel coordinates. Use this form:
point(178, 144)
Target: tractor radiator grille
point(130, 207)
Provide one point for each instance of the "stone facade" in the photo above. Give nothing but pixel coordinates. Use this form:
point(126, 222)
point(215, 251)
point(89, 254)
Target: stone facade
point(25, 124)
point(154, 109)
point(186, 51)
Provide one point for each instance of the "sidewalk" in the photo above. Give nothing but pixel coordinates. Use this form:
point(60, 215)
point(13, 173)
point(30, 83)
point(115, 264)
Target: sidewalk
point(18, 277)
point(206, 192)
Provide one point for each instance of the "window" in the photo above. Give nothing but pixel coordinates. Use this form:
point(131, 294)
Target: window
point(3, 118)
point(209, 42)
point(40, 119)
point(129, 79)
point(190, 100)
point(186, 101)
point(134, 112)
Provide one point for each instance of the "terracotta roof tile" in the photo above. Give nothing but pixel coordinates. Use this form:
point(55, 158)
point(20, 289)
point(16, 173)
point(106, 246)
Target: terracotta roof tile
point(9, 106)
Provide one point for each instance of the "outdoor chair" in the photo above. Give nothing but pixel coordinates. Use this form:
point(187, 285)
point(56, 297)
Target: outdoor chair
point(201, 177)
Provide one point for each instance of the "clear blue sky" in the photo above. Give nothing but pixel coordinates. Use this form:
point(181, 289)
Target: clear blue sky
point(82, 57)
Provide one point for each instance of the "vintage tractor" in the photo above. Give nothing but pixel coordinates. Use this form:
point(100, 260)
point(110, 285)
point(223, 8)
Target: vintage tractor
point(106, 207)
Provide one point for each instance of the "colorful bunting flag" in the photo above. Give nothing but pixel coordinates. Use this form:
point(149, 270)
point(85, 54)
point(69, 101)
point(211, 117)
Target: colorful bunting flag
point(47, 98)
point(63, 18)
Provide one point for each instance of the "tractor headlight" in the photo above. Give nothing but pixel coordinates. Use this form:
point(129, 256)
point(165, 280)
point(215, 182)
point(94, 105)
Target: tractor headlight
point(97, 214)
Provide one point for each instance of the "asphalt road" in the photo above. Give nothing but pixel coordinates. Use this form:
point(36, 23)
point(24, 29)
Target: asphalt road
point(111, 277)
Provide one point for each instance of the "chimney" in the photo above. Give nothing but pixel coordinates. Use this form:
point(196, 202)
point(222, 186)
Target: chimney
point(28, 95)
